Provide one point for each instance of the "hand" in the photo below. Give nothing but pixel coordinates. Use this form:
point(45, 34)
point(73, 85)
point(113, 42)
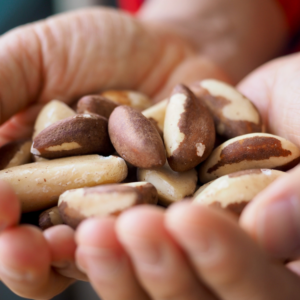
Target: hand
point(273, 217)
point(237, 35)
point(188, 252)
point(216, 259)
point(33, 263)
point(66, 57)
point(71, 55)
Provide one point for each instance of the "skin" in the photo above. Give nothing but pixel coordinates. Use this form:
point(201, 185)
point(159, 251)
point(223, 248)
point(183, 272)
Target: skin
point(43, 61)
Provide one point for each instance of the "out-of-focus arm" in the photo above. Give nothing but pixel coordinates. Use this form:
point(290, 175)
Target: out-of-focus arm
point(237, 35)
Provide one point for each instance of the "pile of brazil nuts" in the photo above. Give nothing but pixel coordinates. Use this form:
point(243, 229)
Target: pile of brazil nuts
point(117, 150)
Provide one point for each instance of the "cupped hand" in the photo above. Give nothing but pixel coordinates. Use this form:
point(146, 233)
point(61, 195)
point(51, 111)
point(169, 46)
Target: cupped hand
point(66, 57)
point(273, 218)
point(34, 264)
point(71, 55)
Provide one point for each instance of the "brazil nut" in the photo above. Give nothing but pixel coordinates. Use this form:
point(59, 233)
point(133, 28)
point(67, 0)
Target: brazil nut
point(233, 113)
point(250, 151)
point(50, 217)
point(38, 185)
point(134, 99)
point(189, 131)
point(15, 154)
point(171, 186)
point(51, 113)
point(78, 135)
point(108, 200)
point(135, 138)
point(97, 105)
point(234, 191)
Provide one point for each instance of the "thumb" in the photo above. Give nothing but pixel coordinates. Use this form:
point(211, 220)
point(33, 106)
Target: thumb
point(274, 89)
point(273, 217)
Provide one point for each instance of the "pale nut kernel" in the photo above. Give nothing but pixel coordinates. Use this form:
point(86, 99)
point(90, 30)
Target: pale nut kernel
point(233, 113)
point(157, 113)
point(15, 154)
point(78, 135)
point(147, 190)
point(202, 188)
point(51, 113)
point(50, 217)
point(97, 105)
point(38, 185)
point(234, 191)
point(101, 201)
point(171, 186)
point(250, 151)
point(189, 131)
point(134, 99)
point(135, 138)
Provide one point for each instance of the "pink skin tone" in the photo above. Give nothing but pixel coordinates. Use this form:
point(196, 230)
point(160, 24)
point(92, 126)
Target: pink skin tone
point(43, 61)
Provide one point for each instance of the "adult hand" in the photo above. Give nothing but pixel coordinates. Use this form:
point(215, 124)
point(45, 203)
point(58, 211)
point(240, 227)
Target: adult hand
point(194, 252)
point(65, 57)
point(273, 218)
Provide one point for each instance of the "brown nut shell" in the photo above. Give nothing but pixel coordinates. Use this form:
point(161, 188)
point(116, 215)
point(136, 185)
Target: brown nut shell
point(234, 191)
point(49, 218)
point(38, 185)
point(233, 113)
point(51, 113)
point(250, 151)
point(101, 201)
point(147, 190)
point(133, 99)
point(15, 154)
point(135, 138)
point(171, 186)
point(97, 105)
point(78, 135)
point(189, 131)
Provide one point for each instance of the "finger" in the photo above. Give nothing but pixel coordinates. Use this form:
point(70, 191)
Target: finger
point(102, 257)
point(161, 267)
point(273, 88)
point(9, 206)
point(59, 58)
point(62, 246)
point(25, 264)
point(226, 258)
point(189, 71)
point(19, 126)
point(273, 217)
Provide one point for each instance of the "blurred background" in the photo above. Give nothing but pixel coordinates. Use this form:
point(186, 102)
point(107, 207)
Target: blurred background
point(12, 14)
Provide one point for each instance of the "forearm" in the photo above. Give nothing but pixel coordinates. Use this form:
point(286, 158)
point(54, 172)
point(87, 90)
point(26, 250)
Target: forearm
point(237, 35)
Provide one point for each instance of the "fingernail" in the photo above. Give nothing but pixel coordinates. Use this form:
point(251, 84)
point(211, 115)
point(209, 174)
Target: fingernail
point(278, 227)
point(99, 262)
point(15, 275)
